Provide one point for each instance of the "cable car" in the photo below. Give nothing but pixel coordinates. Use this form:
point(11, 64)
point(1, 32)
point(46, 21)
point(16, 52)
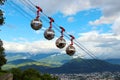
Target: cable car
point(36, 24)
point(70, 50)
point(49, 34)
point(60, 42)
point(1, 43)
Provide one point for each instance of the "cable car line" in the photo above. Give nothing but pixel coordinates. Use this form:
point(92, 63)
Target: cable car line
point(22, 11)
point(84, 49)
point(51, 21)
point(77, 44)
point(28, 4)
point(45, 15)
point(19, 10)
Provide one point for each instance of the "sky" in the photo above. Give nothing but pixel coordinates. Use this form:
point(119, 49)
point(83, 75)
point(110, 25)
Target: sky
point(94, 23)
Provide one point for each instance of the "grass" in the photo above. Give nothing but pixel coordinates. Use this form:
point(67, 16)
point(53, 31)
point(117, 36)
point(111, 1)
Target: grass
point(9, 66)
point(2, 72)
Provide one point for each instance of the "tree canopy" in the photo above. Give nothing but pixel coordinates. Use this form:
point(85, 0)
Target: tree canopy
point(3, 60)
point(30, 74)
point(1, 18)
point(2, 2)
point(1, 12)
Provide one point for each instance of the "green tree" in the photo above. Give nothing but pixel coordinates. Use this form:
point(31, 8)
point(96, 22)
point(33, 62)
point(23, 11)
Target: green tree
point(1, 18)
point(48, 77)
point(17, 73)
point(1, 21)
point(1, 12)
point(2, 2)
point(3, 60)
point(31, 74)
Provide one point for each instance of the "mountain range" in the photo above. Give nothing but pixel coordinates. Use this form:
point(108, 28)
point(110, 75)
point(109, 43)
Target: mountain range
point(113, 61)
point(78, 66)
point(60, 63)
point(23, 59)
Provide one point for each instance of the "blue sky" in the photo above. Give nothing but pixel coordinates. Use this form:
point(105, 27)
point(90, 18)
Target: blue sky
point(20, 23)
point(92, 22)
point(17, 24)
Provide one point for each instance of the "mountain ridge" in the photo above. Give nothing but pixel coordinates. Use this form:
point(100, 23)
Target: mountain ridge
point(113, 61)
point(80, 66)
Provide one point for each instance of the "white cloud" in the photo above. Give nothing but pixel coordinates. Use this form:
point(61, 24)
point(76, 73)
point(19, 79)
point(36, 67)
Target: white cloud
point(31, 47)
point(73, 6)
point(63, 6)
point(20, 39)
point(109, 8)
point(70, 19)
point(101, 45)
point(116, 26)
point(103, 20)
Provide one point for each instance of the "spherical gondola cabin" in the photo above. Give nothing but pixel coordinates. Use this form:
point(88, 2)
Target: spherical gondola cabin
point(61, 42)
point(36, 24)
point(70, 50)
point(49, 34)
point(1, 43)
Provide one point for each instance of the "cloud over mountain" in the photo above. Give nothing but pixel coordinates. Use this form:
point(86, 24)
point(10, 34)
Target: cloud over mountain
point(31, 47)
point(109, 8)
point(102, 45)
